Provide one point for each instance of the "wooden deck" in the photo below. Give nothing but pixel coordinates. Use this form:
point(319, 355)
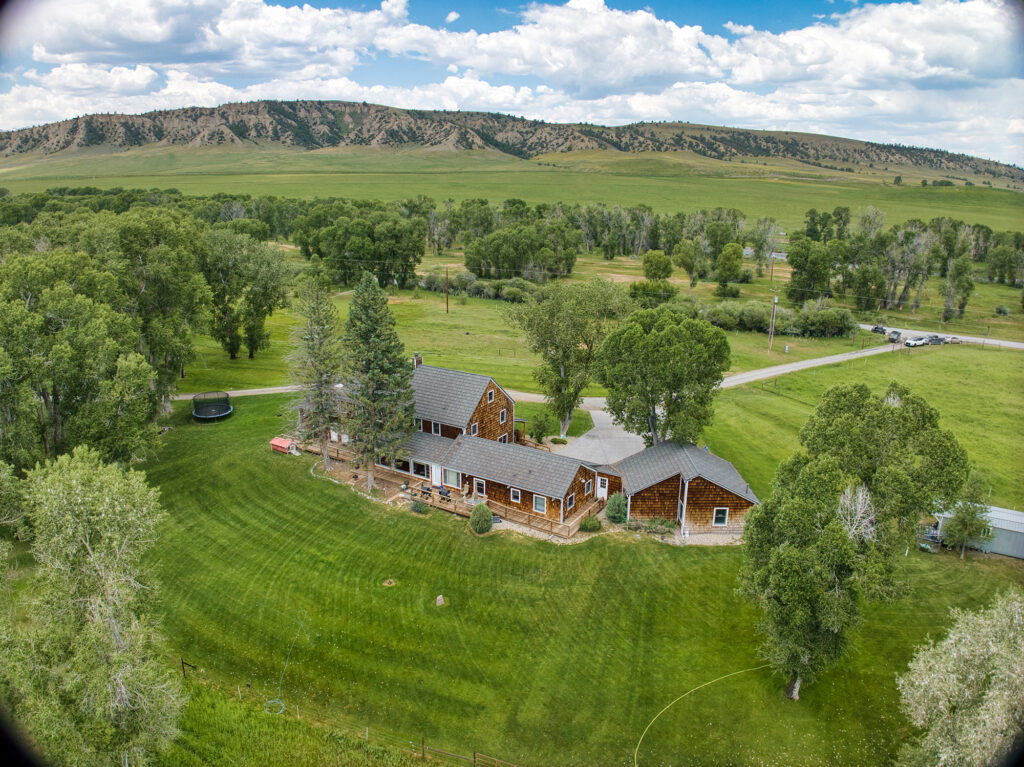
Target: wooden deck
point(405, 488)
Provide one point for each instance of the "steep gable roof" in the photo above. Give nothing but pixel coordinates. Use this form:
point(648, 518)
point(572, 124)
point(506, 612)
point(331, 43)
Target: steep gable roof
point(447, 396)
point(658, 463)
point(547, 474)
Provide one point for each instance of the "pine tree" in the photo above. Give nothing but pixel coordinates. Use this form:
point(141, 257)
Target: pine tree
point(317, 364)
point(378, 379)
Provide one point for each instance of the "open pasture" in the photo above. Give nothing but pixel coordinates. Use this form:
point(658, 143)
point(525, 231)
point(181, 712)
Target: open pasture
point(544, 654)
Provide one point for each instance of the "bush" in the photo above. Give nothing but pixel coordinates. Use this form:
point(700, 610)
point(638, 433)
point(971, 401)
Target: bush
point(615, 510)
point(420, 507)
point(1003, 310)
point(480, 520)
point(590, 525)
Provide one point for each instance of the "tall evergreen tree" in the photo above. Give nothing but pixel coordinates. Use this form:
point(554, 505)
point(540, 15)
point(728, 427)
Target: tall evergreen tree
point(316, 363)
point(378, 379)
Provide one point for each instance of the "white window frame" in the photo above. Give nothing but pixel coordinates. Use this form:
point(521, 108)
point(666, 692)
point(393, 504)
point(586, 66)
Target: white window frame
point(588, 486)
point(714, 515)
point(435, 427)
point(570, 502)
point(447, 472)
point(514, 495)
point(502, 416)
point(473, 429)
point(543, 502)
point(479, 486)
point(490, 396)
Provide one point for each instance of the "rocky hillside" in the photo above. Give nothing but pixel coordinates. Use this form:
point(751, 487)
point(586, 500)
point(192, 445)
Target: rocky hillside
point(318, 124)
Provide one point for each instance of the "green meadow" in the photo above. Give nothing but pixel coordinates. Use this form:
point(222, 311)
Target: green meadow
point(977, 392)
point(667, 182)
point(543, 655)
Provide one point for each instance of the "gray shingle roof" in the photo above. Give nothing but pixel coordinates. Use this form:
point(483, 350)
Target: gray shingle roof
point(448, 396)
point(548, 474)
point(658, 463)
point(429, 448)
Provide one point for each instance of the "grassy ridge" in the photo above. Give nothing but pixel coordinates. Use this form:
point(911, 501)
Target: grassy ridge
point(667, 182)
point(977, 392)
point(544, 655)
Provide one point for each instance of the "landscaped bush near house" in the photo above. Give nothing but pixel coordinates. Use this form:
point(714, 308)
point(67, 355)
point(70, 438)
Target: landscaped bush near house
point(480, 520)
point(615, 509)
point(590, 525)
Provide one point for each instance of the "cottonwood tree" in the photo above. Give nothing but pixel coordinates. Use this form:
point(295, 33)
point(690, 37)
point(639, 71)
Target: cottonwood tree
point(968, 523)
point(840, 513)
point(317, 362)
point(566, 327)
point(380, 416)
point(967, 691)
point(83, 674)
point(662, 370)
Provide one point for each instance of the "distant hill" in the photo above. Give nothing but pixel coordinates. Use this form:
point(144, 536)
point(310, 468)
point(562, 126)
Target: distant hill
point(321, 124)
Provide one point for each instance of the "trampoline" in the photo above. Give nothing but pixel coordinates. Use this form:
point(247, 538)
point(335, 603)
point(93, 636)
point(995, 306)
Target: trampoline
point(210, 405)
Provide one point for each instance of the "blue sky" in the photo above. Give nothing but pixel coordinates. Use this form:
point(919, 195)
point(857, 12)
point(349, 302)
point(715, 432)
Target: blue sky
point(939, 73)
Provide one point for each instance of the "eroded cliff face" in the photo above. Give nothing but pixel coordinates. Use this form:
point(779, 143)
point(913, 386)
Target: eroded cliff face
point(318, 124)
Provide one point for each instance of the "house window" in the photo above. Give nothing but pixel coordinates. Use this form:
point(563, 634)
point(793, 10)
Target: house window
point(540, 504)
point(473, 430)
point(513, 495)
point(451, 478)
point(435, 427)
point(588, 486)
point(490, 396)
point(721, 516)
point(479, 487)
point(421, 470)
point(602, 483)
point(501, 416)
point(503, 439)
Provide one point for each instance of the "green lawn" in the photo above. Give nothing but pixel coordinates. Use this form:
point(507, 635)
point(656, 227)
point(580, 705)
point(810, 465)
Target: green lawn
point(978, 392)
point(668, 182)
point(545, 655)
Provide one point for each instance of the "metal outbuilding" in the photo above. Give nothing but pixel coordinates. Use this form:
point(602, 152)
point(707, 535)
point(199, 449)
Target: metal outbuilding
point(1007, 528)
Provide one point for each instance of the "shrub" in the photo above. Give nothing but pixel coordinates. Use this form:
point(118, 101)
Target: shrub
point(615, 510)
point(420, 507)
point(590, 525)
point(481, 519)
point(1003, 310)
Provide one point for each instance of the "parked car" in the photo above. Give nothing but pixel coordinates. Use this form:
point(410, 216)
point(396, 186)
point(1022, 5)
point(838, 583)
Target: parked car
point(878, 329)
point(936, 340)
point(916, 341)
point(894, 336)
point(954, 340)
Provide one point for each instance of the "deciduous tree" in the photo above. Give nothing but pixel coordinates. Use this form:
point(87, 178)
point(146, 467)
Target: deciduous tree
point(967, 691)
point(566, 327)
point(662, 370)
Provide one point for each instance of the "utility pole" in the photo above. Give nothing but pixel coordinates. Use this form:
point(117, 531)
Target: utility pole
point(771, 329)
point(446, 290)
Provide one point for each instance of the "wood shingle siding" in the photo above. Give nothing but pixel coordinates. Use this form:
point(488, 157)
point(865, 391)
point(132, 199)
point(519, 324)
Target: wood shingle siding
point(660, 500)
point(702, 499)
point(487, 415)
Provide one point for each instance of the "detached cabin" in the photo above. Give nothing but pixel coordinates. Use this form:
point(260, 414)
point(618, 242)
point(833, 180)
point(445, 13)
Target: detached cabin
point(702, 492)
